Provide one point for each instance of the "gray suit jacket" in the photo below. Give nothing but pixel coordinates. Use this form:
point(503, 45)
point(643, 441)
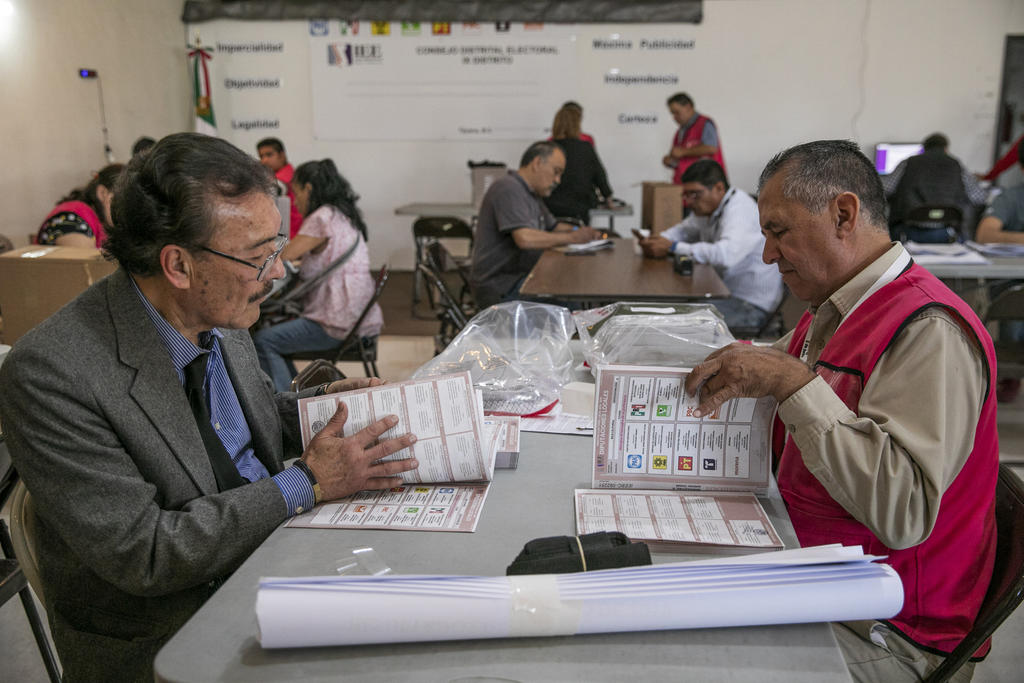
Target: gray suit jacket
point(134, 536)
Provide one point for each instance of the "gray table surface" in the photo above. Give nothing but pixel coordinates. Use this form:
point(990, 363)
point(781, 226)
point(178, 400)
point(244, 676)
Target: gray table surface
point(457, 209)
point(998, 269)
point(220, 641)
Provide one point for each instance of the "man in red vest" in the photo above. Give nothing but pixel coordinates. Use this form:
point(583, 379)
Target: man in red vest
point(697, 137)
point(272, 156)
point(886, 432)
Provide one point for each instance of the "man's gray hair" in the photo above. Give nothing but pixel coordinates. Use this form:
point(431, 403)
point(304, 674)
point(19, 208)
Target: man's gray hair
point(817, 172)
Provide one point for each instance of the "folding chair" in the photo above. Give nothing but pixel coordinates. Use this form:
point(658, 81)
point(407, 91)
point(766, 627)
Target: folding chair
point(443, 262)
point(17, 570)
point(1006, 589)
point(1008, 306)
point(449, 310)
point(432, 228)
point(354, 347)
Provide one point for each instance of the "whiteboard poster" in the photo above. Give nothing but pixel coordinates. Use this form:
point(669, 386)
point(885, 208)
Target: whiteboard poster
point(438, 81)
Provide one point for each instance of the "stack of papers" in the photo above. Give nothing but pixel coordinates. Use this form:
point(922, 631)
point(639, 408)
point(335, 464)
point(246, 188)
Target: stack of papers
point(587, 247)
point(454, 444)
point(720, 522)
point(827, 583)
point(933, 254)
point(1000, 250)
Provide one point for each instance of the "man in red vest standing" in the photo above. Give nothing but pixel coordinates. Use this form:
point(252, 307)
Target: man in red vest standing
point(886, 433)
point(272, 156)
point(697, 137)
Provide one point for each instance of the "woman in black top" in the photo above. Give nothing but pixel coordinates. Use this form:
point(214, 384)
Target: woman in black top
point(584, 183)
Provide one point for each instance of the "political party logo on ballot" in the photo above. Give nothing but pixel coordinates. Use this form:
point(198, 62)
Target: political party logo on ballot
point(380, 28)
point(318, 27)
point(638, 410)
point(446, 490)
point(410, 28)
point(663, 410)
point(411, 511)
point(472, 28)
point(710, 464)
point(422, 489)
point(502, 26)
point(659, 462)
point(348, 28)
point(634, 461)
point(442, 28)
point(533, 26)
point(685, 463)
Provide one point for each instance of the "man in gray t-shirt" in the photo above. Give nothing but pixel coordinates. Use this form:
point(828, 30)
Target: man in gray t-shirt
point(514, 225)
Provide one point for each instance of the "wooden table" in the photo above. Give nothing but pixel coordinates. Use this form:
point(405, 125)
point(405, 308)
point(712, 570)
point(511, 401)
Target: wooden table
point(618, 274)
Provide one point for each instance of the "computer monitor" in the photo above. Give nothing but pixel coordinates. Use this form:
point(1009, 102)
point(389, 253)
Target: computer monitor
point(888, 155)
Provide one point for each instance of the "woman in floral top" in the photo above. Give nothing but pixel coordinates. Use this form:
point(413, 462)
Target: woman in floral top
point(331, 226)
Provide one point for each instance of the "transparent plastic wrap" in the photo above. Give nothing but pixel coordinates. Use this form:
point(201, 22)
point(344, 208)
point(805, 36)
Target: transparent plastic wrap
point(672, 335)
point(517, 352)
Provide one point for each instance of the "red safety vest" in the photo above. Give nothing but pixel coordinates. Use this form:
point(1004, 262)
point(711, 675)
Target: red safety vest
point(692, 139)
point(945, 576)
point(83, 211)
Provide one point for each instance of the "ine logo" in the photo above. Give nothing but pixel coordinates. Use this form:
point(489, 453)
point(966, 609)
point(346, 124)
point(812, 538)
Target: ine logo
point(318, 28)
point(349, 54)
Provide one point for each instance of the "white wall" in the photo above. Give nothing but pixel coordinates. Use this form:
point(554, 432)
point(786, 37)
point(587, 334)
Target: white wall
point(50, 118)
point(770, 72)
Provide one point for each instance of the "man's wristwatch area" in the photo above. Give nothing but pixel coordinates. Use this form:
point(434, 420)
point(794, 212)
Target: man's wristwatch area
point(317, 492)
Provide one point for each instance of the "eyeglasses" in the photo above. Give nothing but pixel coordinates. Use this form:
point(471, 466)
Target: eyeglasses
point(279, 243)
point(691, 195)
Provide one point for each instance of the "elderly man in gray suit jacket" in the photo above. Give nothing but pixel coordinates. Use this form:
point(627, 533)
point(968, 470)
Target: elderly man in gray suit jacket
point(139, 419)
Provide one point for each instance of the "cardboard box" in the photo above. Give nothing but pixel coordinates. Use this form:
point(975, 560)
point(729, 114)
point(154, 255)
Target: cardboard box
point(662, 206)
point(36, 281)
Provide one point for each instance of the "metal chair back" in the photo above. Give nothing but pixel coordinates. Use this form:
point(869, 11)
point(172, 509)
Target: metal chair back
point(1006, 589)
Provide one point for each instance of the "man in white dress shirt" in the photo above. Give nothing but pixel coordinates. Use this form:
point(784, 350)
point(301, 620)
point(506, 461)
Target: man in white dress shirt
point(723, 230)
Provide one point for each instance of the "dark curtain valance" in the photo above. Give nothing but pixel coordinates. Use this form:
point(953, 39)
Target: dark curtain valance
point(564, 11)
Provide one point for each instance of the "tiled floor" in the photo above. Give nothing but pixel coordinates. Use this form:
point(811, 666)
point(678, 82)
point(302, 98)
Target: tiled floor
point(399, 357)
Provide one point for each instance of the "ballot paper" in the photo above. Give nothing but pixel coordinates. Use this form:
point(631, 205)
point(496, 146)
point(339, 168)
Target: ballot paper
point(588, 247)
point(454, 445)
point(933, 254)
point(829, 583)
point(560, 423)
point(414, 507)
point(505, 433)
point(445, 413)
point(720, 521)
point(646, 437)
point(998, 249)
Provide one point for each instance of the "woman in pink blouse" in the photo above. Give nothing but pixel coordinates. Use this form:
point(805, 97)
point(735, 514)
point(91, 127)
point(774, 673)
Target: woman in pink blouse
point(331, 227)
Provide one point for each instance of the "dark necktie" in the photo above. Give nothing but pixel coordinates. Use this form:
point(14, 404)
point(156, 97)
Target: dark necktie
point(224, 469)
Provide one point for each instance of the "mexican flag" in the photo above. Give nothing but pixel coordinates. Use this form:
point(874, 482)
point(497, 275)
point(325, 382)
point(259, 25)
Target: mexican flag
point(205, 122)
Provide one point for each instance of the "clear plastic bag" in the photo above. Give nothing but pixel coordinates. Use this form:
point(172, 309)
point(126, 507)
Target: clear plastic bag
point(517, 352)
point(673, 335)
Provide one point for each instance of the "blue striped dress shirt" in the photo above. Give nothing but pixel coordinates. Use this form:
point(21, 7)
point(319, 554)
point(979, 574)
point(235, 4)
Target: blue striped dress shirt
point(225, 411)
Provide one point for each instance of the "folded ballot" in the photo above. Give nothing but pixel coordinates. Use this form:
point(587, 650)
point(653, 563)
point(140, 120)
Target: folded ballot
point(445, 413)
point(826, 583)
point(456, 446)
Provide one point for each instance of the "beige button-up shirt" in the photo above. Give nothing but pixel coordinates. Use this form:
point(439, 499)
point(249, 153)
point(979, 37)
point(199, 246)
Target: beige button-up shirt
point(889, 464)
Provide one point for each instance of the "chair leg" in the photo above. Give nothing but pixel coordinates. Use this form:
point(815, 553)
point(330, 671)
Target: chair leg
point(34, 620)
